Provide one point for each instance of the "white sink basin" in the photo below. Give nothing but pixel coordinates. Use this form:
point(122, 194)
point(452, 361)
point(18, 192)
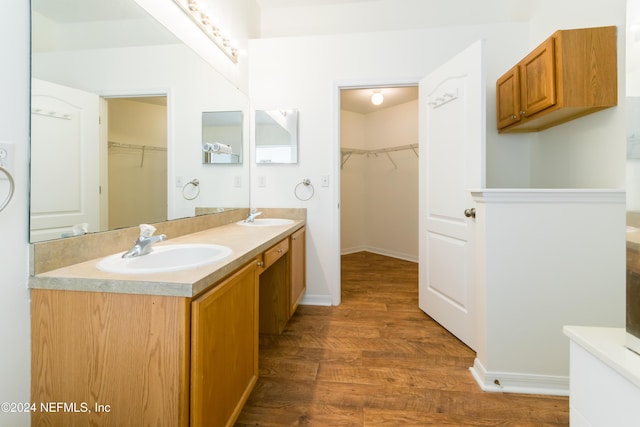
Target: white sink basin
point(165, 258)
point(267, 222)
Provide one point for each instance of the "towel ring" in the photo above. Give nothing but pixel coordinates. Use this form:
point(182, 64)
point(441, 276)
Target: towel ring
point(196, 184)
point(307, 183)
point(7, 199)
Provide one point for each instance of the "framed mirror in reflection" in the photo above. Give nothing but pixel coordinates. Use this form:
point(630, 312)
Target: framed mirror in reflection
point(111, 110)
point(276, 135)
point(222, 137)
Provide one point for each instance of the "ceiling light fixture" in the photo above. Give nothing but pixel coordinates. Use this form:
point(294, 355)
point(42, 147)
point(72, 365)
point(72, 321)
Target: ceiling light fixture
point(207, 25)
point(377, 98)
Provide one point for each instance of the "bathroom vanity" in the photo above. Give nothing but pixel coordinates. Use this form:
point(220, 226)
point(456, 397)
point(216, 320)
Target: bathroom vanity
point(174, 348)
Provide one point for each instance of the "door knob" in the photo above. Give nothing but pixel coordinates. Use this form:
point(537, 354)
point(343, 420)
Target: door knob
point(470, 213)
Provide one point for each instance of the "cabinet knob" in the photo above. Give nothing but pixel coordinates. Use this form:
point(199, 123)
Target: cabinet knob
point(470, 213)
point(514, 116)
point(279, 251)
point(523, 113)
point(260, 264)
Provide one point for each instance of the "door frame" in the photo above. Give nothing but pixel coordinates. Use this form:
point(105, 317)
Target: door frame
point(335, 289)
point(134, 93)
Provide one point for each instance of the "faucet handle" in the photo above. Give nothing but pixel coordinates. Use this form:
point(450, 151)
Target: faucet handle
point(147, 230)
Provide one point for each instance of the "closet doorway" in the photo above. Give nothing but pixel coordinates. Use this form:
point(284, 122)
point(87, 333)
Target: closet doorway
point(379, 171)
point(135, 186)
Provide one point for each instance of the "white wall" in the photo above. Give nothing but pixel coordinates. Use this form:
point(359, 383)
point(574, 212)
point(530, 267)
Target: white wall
point(588, 152)
point(15, 358)
point(379, 200)
point(305, 73)
point(353, 235)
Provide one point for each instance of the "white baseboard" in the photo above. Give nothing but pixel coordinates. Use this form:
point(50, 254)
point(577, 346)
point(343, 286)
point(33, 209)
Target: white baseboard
point(509, 382)
point(322, 300)
point(379, 251)
point(353, 250)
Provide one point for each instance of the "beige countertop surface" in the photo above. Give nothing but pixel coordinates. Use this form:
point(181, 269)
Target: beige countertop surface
point(245, 242)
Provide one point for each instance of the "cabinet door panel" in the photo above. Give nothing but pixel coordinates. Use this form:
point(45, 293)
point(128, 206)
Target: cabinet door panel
point(224, 349)
point(508, 98)
point(538, 82)
point(298, 276)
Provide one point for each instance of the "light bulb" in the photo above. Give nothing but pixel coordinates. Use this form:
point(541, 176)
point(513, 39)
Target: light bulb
point(377, 98)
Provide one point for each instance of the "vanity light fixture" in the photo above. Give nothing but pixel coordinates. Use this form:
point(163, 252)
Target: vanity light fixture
point(199, 16)
point(377, 98)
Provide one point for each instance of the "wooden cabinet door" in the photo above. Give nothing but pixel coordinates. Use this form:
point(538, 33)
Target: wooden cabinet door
point(298, 268)
point(508, 98)
point(111, 359)
point(538, 79)
point(224, 349)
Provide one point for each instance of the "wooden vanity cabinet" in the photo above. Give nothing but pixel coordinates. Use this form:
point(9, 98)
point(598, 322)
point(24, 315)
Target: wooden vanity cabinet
point(224, 349)
point(113, 359)
point(298, 269)
point(571, 74)
point(274, 288)
point(145, 359)
point(282, 282)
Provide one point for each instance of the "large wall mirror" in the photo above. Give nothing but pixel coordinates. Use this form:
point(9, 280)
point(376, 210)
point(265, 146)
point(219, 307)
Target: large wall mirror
point(276, 135)
point(117, 104)
point(633, 173)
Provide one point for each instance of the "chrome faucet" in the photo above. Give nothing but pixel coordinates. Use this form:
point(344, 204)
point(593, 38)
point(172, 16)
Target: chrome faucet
point(252, 215)
point(143, 245)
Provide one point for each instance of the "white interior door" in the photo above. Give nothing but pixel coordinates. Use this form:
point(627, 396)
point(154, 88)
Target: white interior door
point(452, 139)
point(64, 160)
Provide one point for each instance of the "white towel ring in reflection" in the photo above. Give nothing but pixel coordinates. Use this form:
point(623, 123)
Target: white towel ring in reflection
point(7, 199)
point(307, 184)
point(196, 184)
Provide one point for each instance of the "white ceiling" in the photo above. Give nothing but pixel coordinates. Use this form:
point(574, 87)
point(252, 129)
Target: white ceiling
point(303, 3)
point(359, 100)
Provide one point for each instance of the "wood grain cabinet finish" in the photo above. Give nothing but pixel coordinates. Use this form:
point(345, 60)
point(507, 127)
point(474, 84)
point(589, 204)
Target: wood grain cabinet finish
point(224, 349)
point(298, 269)
point(125, 359)
point(112, 359)
point(571, 74)
point(282, 282)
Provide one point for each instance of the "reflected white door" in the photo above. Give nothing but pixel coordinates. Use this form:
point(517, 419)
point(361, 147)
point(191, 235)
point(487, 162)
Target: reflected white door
point(64, 160)
point(452, 140)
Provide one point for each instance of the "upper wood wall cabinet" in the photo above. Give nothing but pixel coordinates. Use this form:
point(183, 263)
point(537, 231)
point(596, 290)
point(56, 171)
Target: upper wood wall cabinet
point(571, 74)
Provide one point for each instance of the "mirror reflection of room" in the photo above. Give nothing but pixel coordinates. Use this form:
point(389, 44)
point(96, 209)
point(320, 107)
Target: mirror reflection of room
point(276, 136)
point(222, 137)
point(86, 53)
point(137, 161)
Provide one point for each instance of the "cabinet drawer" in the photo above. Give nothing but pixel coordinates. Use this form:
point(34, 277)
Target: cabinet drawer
point(274, 253)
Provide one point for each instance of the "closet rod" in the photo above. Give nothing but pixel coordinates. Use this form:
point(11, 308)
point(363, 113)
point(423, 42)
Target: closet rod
point(347, 152)
point(136, 147)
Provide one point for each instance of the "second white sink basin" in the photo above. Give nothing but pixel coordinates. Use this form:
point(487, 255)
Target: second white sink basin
point(267, 222)
point(165, 258)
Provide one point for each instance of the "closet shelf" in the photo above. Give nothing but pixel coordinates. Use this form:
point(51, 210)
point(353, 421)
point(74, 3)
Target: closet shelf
point(113, 144)
point(347, 152)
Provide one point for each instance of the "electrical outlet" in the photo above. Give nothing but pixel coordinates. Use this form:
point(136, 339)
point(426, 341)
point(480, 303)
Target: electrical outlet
point(179, 181)
point(6, 157)
point(262, 181)
point(324, 181)
point(237, 181)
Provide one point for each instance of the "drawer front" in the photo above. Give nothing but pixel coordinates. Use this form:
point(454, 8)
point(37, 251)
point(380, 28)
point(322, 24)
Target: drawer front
point(274, 253)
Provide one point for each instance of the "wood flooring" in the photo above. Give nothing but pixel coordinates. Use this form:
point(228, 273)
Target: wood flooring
point(378, 360)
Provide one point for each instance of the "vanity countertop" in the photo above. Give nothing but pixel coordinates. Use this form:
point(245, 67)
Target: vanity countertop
point(245, 242)
point(608, 345)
